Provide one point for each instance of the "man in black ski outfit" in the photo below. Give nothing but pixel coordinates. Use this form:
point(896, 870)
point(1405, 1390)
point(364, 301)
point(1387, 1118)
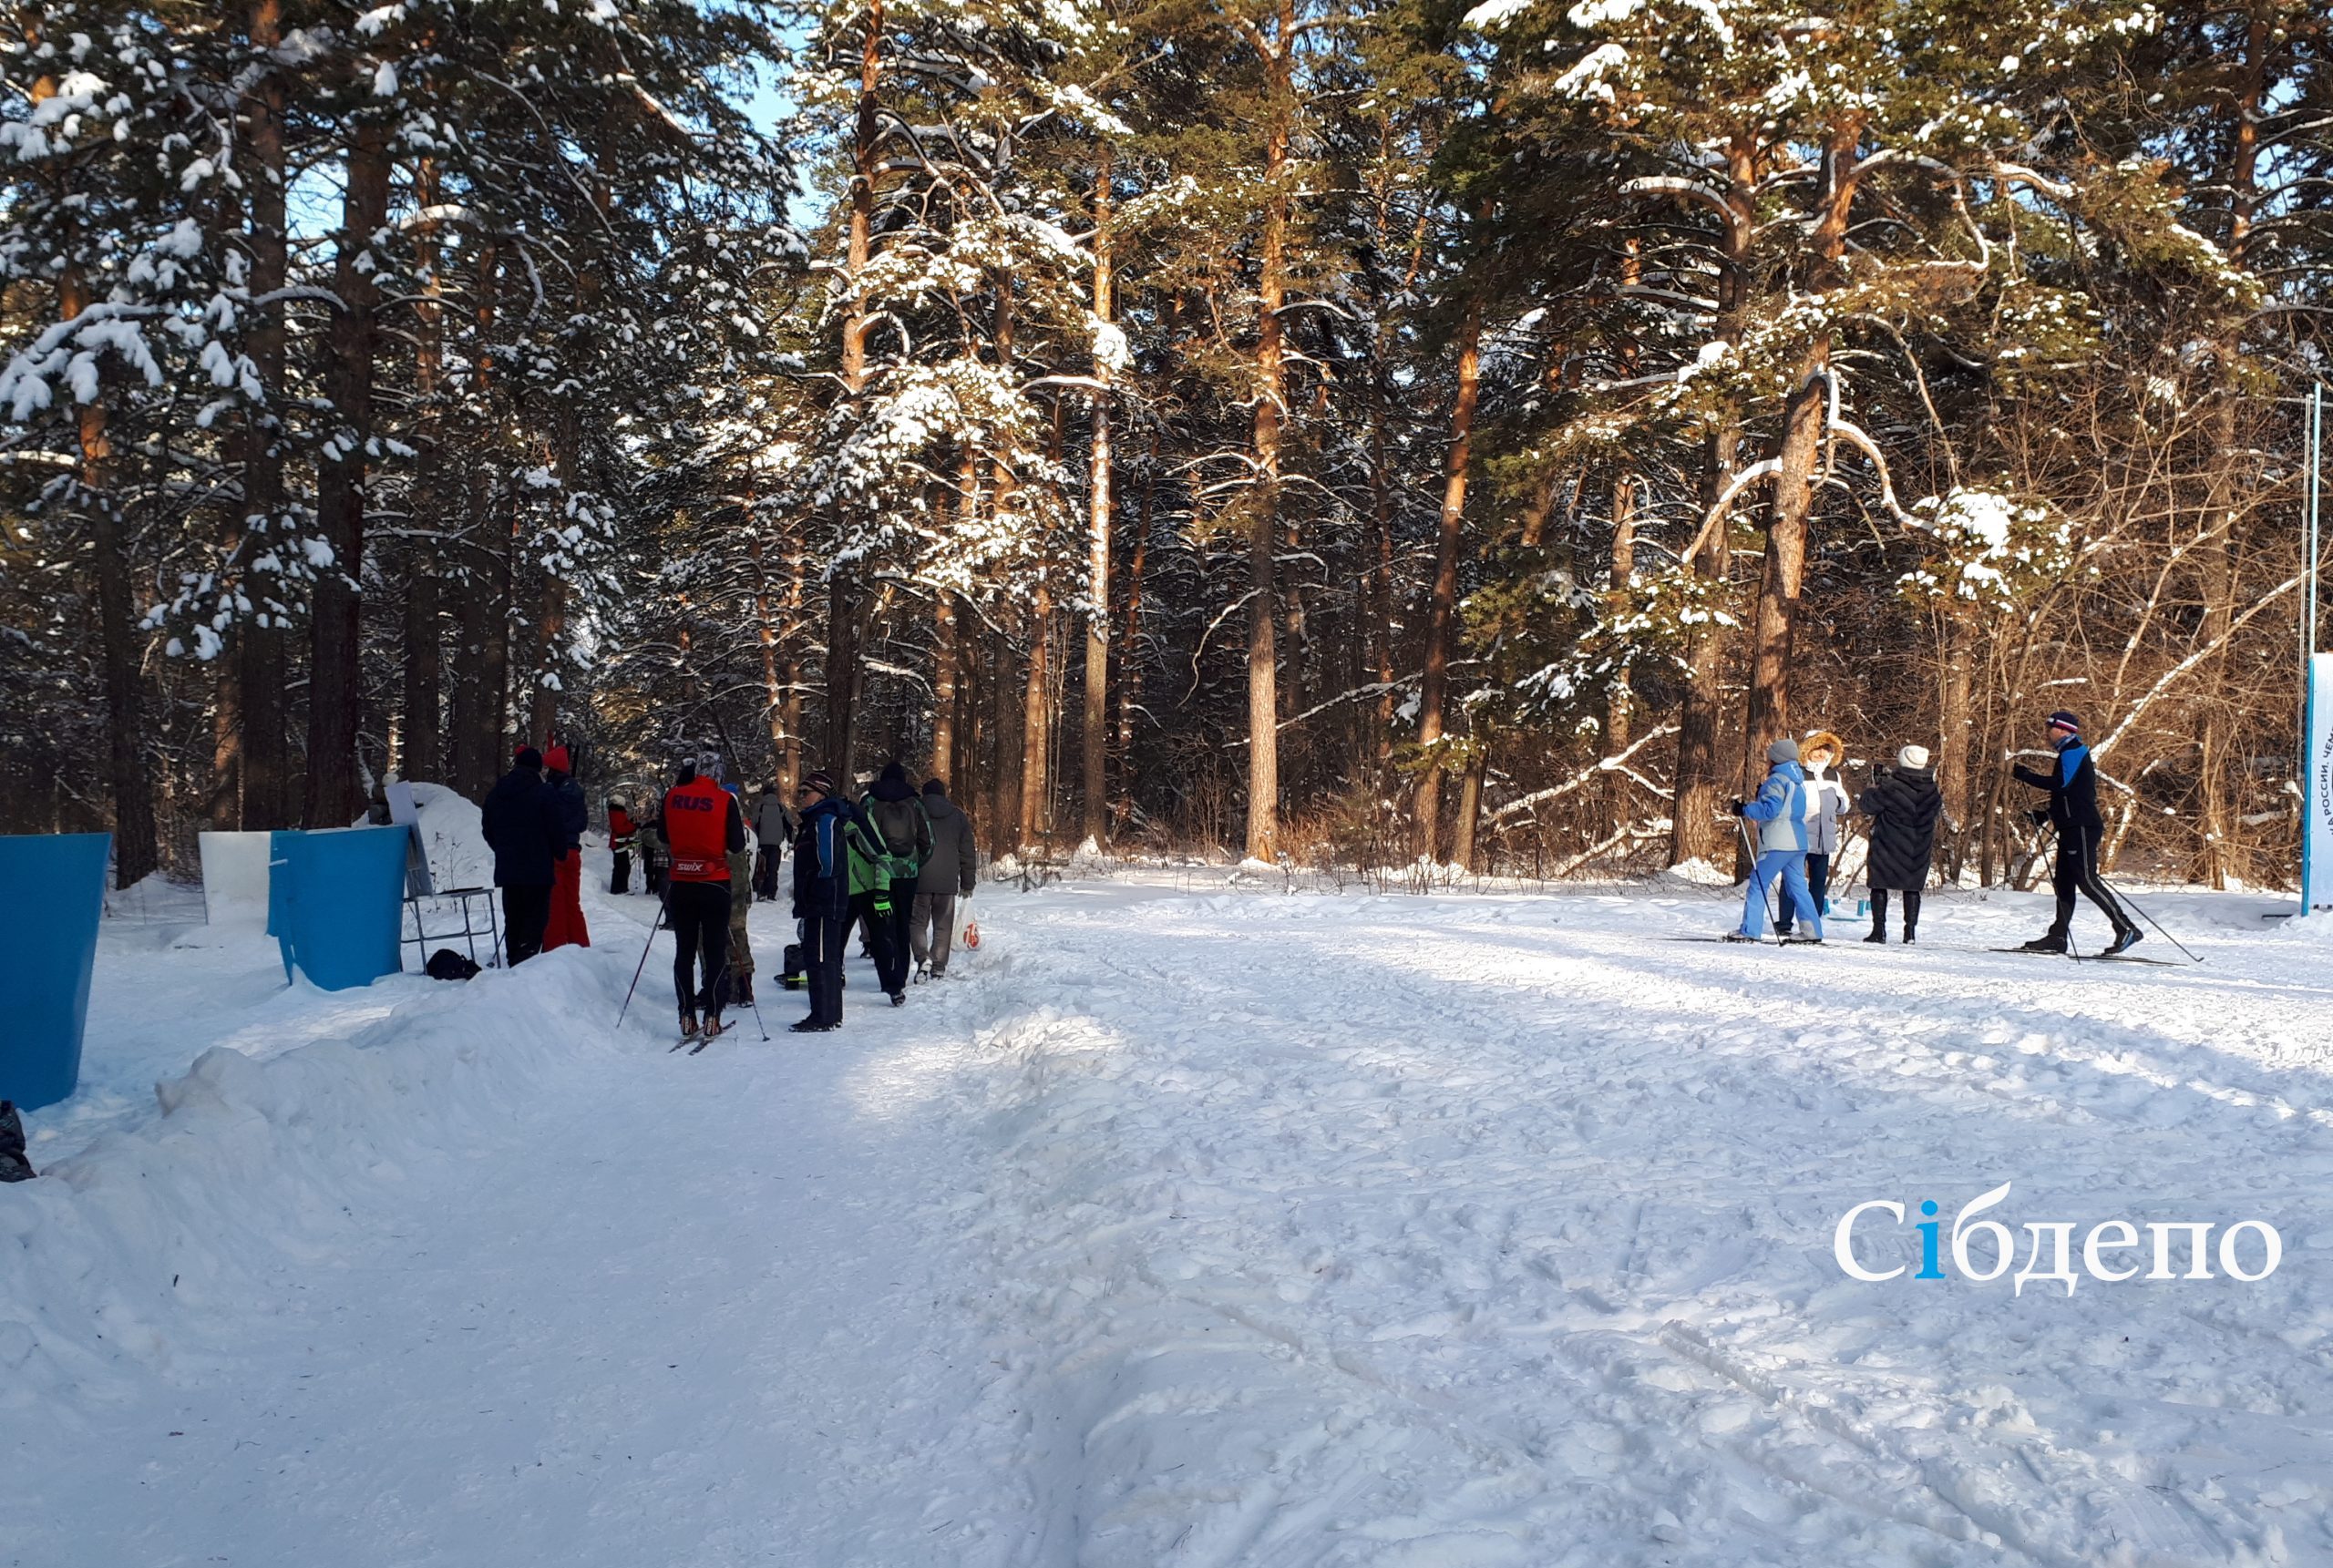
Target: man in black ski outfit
point(2072, 810)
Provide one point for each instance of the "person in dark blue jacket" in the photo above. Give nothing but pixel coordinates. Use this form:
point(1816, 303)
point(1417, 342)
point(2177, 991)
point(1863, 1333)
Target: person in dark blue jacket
point(2072, 810)
point(1785, 809)
point(822, 897)
point(520, 820)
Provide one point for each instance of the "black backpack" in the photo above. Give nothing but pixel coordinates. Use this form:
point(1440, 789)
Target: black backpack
point(791, 977)
point(446, 964)
point(14, 1166)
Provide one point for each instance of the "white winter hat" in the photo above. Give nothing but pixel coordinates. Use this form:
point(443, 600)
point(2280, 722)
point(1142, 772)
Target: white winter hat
point(1913, 757)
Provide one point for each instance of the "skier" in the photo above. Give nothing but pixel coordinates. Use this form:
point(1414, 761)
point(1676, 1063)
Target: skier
point(1786, 807)
point(902, 841)
point(520, 823)
point(1903, 804)
point(1818, 753)
point(773, 828)
point(2072, 810)
point(566, 928)
point(822, 897)
point(702, 825)
point(621, 833)
point(953, 869)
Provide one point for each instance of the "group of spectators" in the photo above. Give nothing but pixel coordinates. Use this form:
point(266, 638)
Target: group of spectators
point(533, 819)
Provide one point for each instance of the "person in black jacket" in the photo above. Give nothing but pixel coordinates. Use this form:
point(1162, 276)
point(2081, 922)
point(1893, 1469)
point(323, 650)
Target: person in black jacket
point(520, 820)
point(1903, 804)
point(2072, 810)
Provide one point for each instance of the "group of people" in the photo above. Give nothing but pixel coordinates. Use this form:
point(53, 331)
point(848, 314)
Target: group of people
point(533, 819)
point(1801, 813)
point(893, 864)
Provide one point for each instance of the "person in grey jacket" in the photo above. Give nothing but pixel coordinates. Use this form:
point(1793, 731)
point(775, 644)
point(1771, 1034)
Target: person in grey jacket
point(950, 872)
point(773, 821)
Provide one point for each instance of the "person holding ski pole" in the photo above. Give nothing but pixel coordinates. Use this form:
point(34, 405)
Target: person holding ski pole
point(1818, 754)
point(1785, 808)
point(821, 895)
point(702, 826)
point(2072, 811)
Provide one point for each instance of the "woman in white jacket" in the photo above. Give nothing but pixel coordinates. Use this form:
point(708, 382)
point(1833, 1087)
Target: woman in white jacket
point(1820, 755)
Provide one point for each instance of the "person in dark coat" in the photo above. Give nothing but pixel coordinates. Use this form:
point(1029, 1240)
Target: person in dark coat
point(520, 821)
point(902, 836)
point(772, 821)
point(822, 897)
point(2072, 810)
point(1903, 803)
point(951, 871)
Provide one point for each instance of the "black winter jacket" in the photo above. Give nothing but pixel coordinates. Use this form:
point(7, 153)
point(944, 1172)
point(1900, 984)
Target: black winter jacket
point(573, 811)
point(1904, 806)
point(520, 821)
point(955, 863)
point(2073, 784)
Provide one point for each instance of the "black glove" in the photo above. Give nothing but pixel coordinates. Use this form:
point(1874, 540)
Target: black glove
point(1737, 807)
point(1882, 772)
point(2040, 813)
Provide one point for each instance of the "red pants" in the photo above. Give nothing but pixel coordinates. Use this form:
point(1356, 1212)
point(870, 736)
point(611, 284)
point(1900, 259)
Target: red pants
point(567, 928)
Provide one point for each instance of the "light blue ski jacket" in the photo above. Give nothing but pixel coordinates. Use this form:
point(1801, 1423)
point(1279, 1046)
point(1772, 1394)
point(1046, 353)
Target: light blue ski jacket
point(1785, 807)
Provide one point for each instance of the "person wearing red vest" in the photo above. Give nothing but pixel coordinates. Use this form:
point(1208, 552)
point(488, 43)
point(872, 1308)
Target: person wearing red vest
point(702, 827)
point(620, 837)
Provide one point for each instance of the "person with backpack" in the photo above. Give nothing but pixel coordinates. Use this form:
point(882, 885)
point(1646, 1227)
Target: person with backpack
point(2072, 810)
point(701, 823)
point(520, 823)
point(822, 875)
point(1785, 809)
point(1903, 803)
point(566, 928)
point(773, 822)
point(901, 840)
point(621, 836)
point(1818, 754)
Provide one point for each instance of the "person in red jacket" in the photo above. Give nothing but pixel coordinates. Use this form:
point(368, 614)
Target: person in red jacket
point(620, 837)
point(702, 827)
point(567, 928)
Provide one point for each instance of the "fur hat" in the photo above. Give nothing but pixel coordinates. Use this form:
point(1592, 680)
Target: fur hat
point(1823, 739)
point(1912, 757)
point(1782, 751)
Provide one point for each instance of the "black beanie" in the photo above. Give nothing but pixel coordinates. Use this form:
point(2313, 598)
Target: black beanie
point(528, 757)
point(933, 786)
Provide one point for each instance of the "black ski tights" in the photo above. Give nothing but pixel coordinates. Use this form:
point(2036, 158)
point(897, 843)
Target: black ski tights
point(699, 913)
point(2076, 871)
point(1879, 912)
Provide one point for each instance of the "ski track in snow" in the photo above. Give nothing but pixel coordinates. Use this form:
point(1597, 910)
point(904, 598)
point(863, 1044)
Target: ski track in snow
point(1193, 1230)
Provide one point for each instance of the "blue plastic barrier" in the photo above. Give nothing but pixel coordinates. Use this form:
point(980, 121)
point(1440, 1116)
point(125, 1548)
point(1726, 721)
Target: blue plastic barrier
point(52, 892)
point(335, 899)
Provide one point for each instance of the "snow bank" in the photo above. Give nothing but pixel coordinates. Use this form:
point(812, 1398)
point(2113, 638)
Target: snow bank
point(109, 1262)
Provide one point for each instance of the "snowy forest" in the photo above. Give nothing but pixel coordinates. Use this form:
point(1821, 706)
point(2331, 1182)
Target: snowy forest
point(1346, 432)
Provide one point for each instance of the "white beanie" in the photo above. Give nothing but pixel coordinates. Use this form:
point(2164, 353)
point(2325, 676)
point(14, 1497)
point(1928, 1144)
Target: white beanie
point(1913, 757)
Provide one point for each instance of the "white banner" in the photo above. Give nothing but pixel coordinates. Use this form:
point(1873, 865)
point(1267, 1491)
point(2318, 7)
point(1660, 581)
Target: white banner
point(2316, 790)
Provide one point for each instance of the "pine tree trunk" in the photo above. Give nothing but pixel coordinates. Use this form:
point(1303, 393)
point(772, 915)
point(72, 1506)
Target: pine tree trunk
point(1129, 644)
point(1463, 841)
point(944, 684)
point(1441, 611)
point(1094, 735)
point(335, 689)
point(135, 851)
point(260, 662)
point(1271, 393)
point(1036, 763)
point(842, 666)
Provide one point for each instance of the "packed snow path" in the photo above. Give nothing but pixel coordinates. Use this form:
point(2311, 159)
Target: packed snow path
point(1191, 1230)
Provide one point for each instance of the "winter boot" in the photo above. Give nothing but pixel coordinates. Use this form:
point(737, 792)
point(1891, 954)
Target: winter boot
point(898, 999)
point(808, 1026)
point(1909, 931)
point(2048, 942)
point(2122, 940)
point(1879, 934)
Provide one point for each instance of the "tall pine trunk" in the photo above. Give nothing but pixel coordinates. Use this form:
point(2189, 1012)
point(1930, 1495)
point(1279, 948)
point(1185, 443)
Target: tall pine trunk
point(1271, 402)
point(260, 656)
point(335, 689)
point(1442, 612)
point(1094, 735)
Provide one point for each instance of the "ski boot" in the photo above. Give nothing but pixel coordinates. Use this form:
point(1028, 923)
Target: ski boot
point(689, 1030)
point(2048, 942)
point(1738, 937)
point(2122, 941)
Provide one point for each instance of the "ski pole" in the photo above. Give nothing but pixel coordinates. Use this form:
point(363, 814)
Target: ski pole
point(642, 967)
point(1765, 889)
point(2149, 919)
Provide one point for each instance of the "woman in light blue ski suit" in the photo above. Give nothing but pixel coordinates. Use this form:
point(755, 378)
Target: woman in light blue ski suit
point(1785, 808)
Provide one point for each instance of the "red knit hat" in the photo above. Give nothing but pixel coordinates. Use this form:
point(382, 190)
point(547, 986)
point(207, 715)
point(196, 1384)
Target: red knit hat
point(556, 759)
